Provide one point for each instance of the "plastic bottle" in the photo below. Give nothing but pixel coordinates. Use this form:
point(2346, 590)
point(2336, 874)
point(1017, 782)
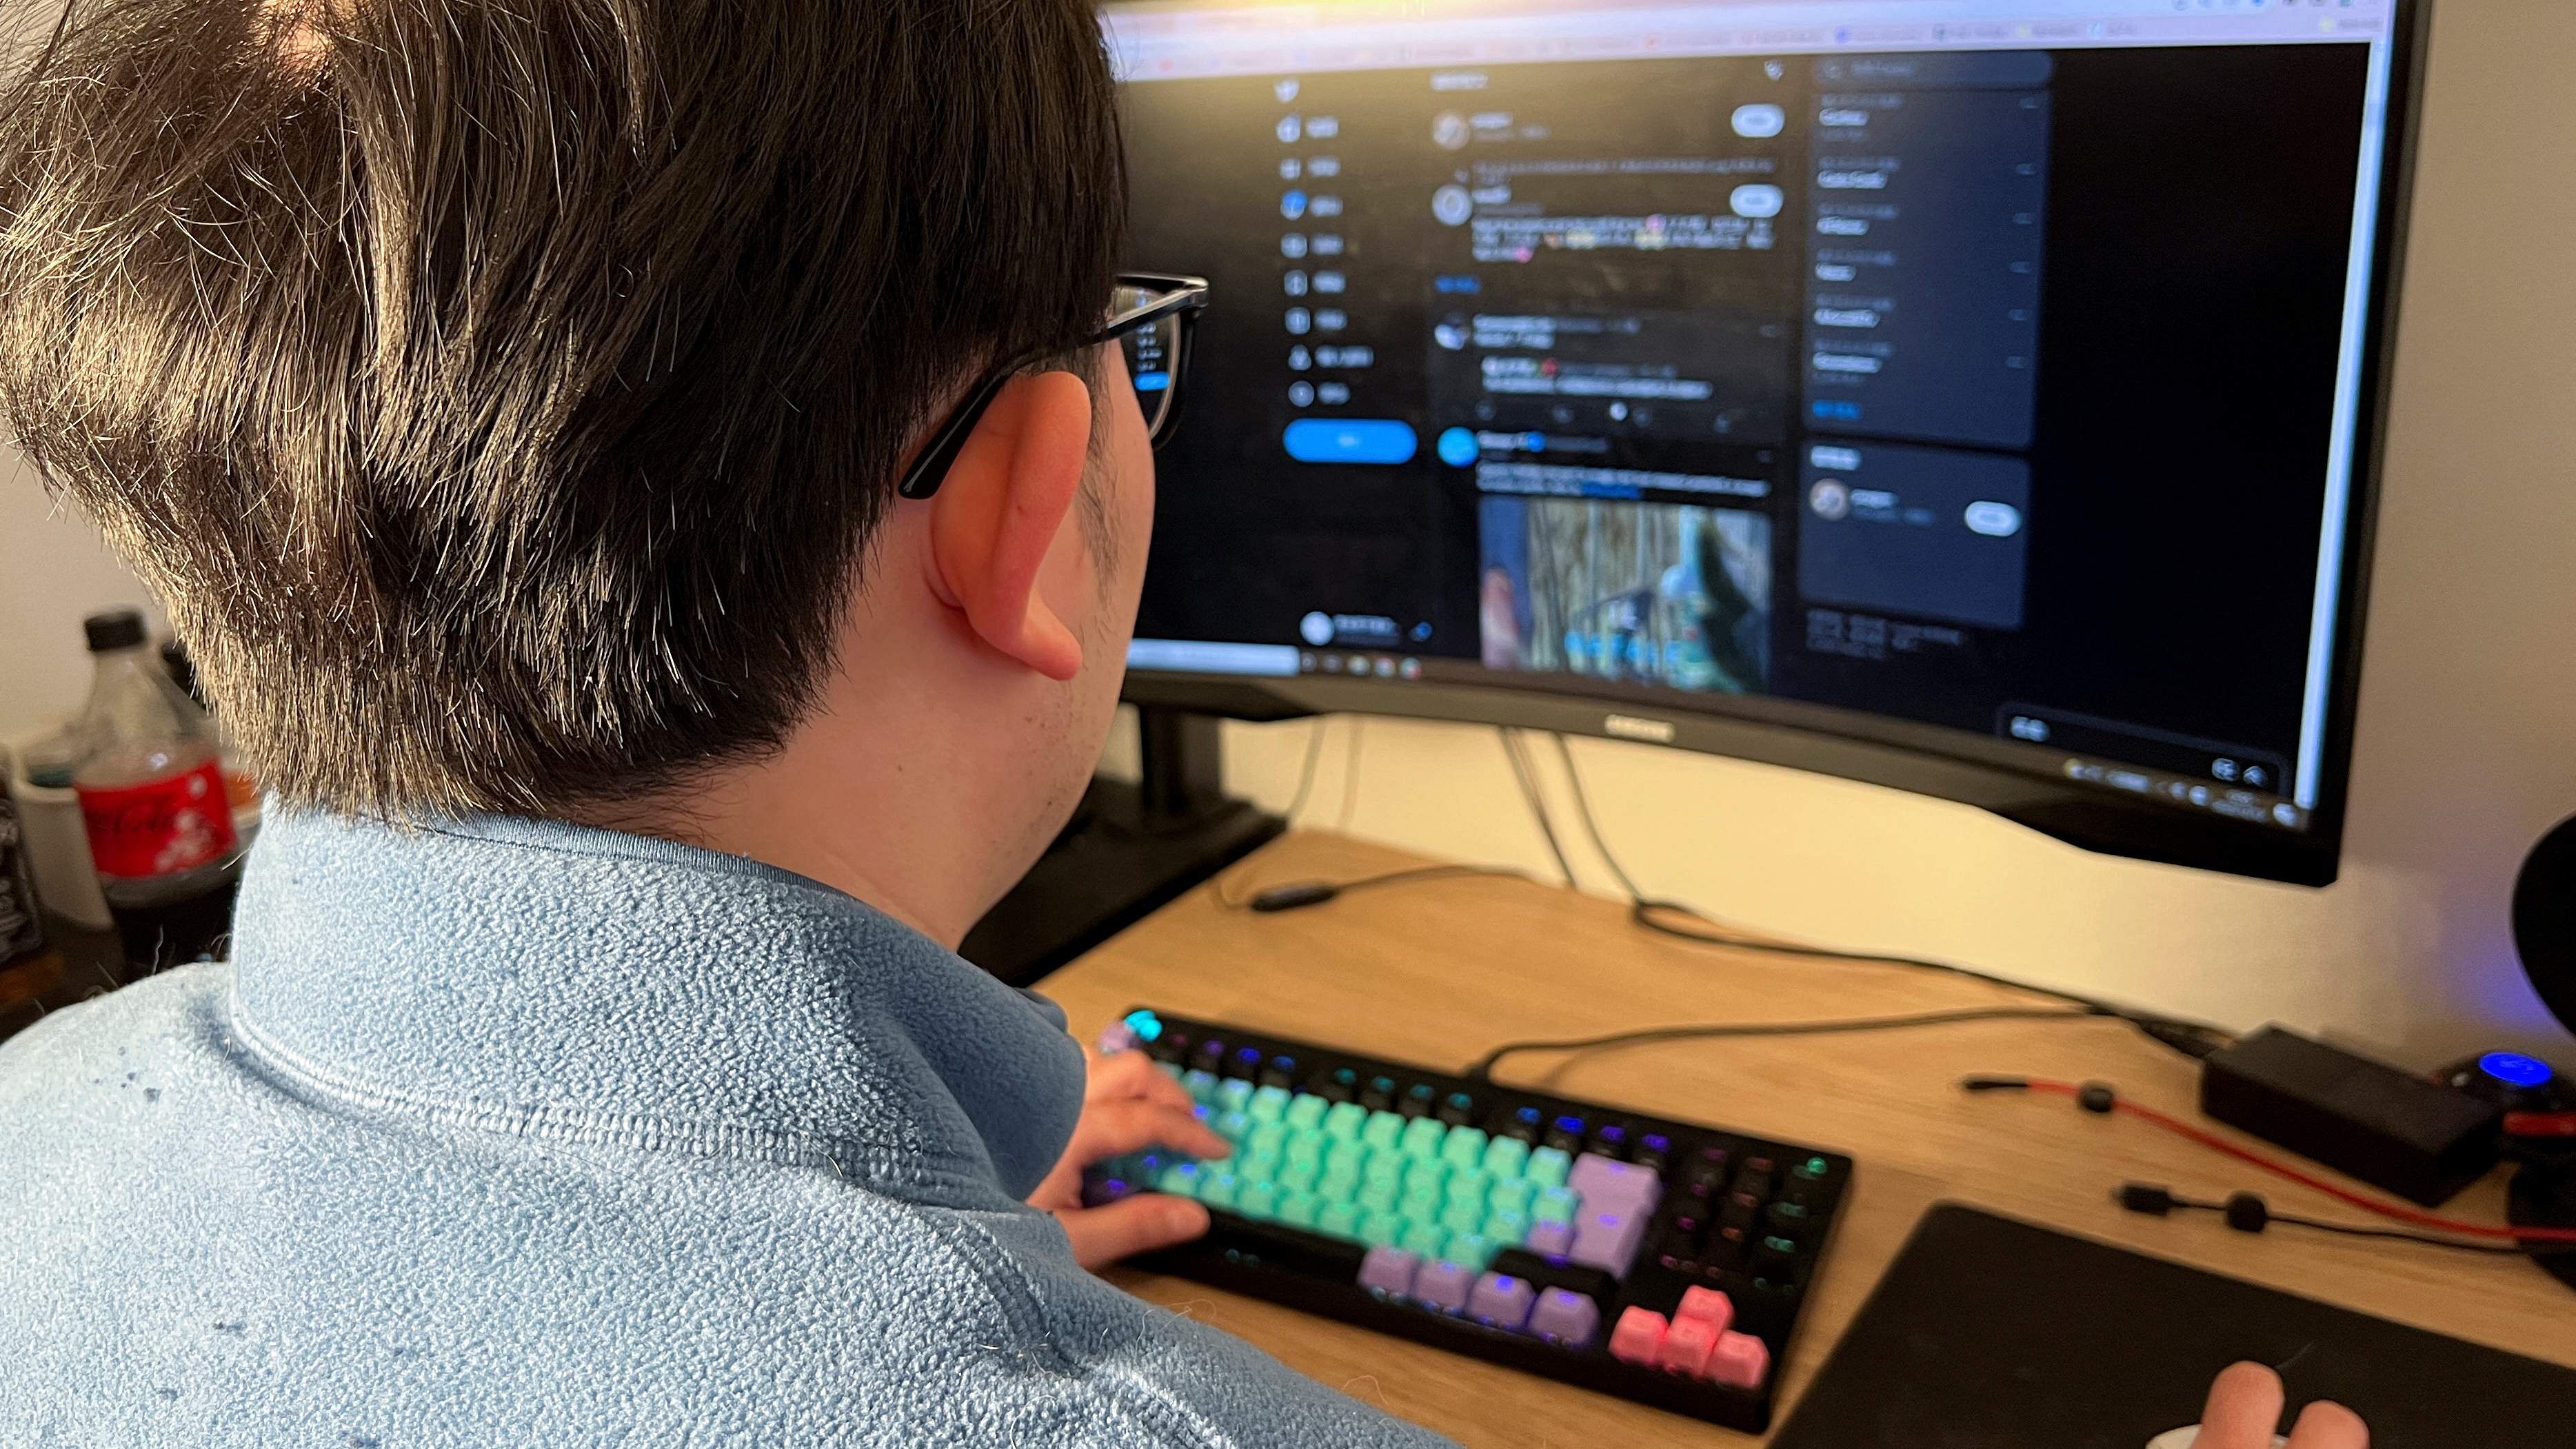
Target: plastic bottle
point(152, 797)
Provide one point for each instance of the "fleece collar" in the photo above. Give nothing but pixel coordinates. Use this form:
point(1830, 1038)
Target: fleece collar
point(549, 980)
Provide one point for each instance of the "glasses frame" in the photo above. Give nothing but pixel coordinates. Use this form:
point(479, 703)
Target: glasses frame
point(1174, 296)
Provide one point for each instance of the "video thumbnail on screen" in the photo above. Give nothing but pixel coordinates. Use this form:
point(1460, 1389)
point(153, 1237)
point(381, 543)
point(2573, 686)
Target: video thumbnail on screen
point(1645, 593)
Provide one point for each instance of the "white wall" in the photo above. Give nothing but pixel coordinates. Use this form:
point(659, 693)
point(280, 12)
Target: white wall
point(2467, 746)
point(2467, 740)
point(53, 570)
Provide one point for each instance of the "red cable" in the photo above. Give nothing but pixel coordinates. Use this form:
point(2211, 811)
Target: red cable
point(2216, 1143)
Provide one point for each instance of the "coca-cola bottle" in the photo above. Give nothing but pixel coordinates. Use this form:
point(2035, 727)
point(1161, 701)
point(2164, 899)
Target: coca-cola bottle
point(152, 795)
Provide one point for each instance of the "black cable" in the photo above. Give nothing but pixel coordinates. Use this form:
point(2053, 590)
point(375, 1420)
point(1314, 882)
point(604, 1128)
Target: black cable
point(1483, 1069)
point(1297, 894)
point(1527, 776)
point(2249, 1213)
point(2191, 1038)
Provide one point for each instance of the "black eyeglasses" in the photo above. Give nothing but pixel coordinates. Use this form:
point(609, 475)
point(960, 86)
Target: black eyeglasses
point(1150, 318)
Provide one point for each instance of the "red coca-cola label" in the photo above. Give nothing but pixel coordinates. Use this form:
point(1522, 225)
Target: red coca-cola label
point(159, 827)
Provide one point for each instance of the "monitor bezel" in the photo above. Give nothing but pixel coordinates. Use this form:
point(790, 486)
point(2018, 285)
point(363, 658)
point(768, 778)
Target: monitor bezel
point(2003, 777)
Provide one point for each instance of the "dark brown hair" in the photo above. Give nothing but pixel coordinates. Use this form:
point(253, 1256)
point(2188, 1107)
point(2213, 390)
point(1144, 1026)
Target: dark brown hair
point(501, 393)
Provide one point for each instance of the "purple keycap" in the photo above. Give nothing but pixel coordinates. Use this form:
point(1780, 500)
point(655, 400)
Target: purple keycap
point(1443, 1286)
point(1606, 1184)
point(1501, 1301)
point(1608, 1240)
point(1564, 1316)
point(1118, 1037)
point(1389, 1270)
point(1552, 1239)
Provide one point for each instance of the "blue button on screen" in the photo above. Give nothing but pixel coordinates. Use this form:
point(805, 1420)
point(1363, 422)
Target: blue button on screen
point(2516, 1070)
point(1458, 447)
point(1349, 440)
point(1153, 381)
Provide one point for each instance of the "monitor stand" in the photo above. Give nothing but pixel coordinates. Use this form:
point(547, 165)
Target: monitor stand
point(1128, 850)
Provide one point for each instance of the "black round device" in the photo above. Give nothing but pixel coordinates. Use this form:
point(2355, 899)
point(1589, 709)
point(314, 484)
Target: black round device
point(2544, 920)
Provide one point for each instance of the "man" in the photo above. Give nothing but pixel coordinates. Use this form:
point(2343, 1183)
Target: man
point(645, 486)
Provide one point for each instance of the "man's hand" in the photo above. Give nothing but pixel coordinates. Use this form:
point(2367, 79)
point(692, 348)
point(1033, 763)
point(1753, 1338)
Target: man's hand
point(2246, 1402)
point(1127, 1106)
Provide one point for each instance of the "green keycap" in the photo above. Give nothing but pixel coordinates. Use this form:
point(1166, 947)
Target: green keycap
point(1232, 1094)
point(1181, 1179)
point(1344, 1121)
point(1299, 1176)
point(1340, 1156)
point(1384, 1130)
point(1298, 1209)
point(1306, 1113)
point(1507, 1228)
point(1255, 1166)
point(1471, 1251)
point(1231, 1125)
point(1265, 1137)
point(1421, 1176)
point(1470, 1186)
point(1379, 1197)
point(1506, 1156)
point(1511, 1194)
point(1258, 1199)
point(1308, 1150)
point(1547, 1167)
point(1463, 1147)
point(1339, 1180)
point(1463, 1217)
point(1423, 1240)
point(1169, 1069)
point(1338, 1220)
point(1555, 1205)
point(1218, 1189)
point(1422, 1139)
point(1387, 1167)
point(1202, 1084)
point(1381, 1229)
point(1420, 1205)
point(1269, 1104)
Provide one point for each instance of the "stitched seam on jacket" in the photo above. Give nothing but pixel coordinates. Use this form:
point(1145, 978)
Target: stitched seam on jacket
point(1021, 1303)
point(586, 1125)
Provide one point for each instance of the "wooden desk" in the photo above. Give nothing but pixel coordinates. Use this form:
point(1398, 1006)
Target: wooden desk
point(1436, 972)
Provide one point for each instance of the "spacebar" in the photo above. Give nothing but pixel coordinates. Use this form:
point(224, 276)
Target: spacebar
point(1293, 1249)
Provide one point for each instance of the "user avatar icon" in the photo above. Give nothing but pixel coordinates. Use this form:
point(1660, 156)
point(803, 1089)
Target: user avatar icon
point(1452, 205)
point(1316, 628)
point(1450, 132)
point(1450, 332)
point(1831, 499)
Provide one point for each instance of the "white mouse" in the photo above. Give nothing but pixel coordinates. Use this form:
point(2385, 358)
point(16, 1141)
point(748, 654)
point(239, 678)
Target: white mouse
point(2189, 1435)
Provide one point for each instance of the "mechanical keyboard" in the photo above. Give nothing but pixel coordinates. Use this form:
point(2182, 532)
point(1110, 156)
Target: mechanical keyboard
point(1657, 1260)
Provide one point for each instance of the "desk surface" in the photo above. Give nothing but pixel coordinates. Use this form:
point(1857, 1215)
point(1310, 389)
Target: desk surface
point(1437, 971)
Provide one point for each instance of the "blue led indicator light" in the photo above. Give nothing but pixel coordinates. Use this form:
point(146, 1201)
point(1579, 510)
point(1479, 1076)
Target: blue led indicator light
point(1152, 381)
point(2516, 1070)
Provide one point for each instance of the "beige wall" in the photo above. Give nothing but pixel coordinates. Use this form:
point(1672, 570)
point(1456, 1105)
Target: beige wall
point(2467, 745)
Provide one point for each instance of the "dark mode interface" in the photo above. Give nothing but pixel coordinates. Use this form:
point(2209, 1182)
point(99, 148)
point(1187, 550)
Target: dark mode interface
point(1990, 389)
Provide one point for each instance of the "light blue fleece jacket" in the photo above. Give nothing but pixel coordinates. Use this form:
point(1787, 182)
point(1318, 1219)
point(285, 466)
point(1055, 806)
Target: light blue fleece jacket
point(508, 1133)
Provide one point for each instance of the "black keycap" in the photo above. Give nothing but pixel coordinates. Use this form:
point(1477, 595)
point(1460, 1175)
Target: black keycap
point(1610, 1141)
point(1565, 1134)
point(1281, 1073)
point(1739, 1209)
point(1171, 1046)
point(1752, 1179)
point(1805, 1192)
point(1653, 1149)
point(1787, 1219)
point(1726, 1247)
point(1457, 1109)
point(1379, 1095)
point(1244, 1062)
point(1211, 1053)
point(1705, 1170)
point(1417, 1101)
point(1521, 1124)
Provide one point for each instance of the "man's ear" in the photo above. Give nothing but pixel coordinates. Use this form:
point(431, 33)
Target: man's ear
point(999, 510)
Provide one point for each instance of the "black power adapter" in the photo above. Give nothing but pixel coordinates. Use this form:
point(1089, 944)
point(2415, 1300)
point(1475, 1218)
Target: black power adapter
point(2415, 1138)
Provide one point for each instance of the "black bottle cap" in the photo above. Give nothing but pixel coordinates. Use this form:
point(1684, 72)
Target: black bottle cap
point(114, 629)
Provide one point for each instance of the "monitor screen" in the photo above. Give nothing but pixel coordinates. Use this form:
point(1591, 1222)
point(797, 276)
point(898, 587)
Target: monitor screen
point(1993, 380)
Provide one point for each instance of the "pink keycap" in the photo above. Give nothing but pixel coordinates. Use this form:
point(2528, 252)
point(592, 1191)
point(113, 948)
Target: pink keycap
point(1708, 1306)
point(1739, 1360)
point(1639, 1334)
point(1686, 1347)
point(1388, 1270)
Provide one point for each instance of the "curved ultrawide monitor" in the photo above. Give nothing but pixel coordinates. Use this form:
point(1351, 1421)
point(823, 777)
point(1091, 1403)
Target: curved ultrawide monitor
point(1979, 397)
